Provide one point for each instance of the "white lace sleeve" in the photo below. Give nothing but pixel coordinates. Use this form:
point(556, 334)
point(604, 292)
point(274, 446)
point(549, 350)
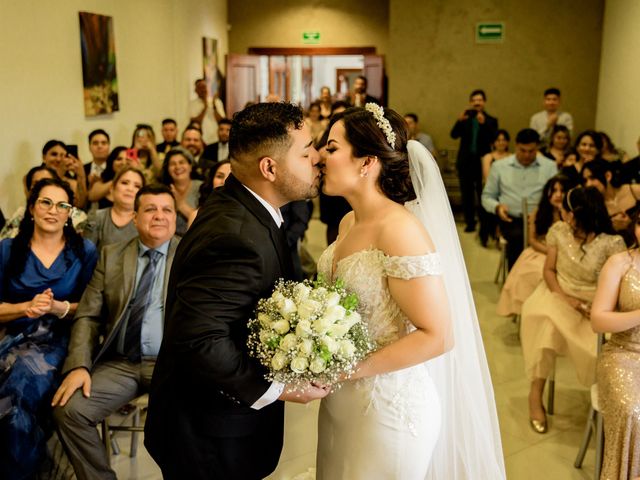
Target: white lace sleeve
point(412, 267)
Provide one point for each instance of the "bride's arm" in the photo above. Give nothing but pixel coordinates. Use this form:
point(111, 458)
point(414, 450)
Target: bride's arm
point(422, 299)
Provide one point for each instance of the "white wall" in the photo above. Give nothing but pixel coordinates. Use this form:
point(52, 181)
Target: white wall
point(324, 70)
point(618, 111)
point(158, 56)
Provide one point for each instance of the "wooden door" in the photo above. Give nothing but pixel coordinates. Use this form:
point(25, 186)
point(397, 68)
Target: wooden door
point(243, 81)
point(376, 80)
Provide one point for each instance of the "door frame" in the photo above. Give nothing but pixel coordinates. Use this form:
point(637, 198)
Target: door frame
point(311, 51)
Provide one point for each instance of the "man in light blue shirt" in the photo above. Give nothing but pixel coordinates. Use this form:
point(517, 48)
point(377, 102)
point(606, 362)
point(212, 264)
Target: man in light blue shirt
point(511, 179)
point(124, 304)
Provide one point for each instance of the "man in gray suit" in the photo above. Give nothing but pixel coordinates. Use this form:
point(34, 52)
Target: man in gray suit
point(124, 304)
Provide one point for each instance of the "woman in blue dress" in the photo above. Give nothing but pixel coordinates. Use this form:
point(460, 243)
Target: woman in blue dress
point(43, 272)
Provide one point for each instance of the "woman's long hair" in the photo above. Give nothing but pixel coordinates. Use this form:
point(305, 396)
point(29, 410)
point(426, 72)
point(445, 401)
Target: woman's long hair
point(109, 172)
point(589, 210)
point(21, 245)
point(544, 215)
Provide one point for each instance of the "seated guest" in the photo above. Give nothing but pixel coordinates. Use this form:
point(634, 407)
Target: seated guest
point(12, 225)
point(177, 174)
point(43, 272)
point(192, 142)
point(558, 147)
point(216, 151)
point(325, 102)
point(339, 106)
point(100, 191)
point(116, 224)
point(143, 144)
point(216, 177)
point(123, 304)
point(499, 150)
point(631, 169)
point(415, 133)
point(526, 273)
point(621, 200)
point(609, 151)
point(588, 147)
point(99, 146)
point(169, 135)
point(616, 309)
point(55, 156)
point(555, 318)
point(522, 175)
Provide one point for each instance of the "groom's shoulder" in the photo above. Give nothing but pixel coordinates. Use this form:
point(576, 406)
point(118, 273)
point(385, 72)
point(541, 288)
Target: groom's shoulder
point(224, 214)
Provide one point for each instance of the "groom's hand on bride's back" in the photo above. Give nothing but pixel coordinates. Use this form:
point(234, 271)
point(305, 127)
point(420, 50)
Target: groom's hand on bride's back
point(304, 394)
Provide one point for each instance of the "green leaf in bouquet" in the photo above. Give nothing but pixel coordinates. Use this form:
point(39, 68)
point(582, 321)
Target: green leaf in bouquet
point(274, 342)
point(339, 284)
point(324, 353)
point(350, 302)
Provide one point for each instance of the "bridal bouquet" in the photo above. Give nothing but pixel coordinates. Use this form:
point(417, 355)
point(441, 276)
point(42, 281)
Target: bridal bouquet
point(308, 332)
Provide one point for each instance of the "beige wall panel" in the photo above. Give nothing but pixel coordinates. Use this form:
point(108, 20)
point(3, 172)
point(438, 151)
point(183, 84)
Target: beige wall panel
point(433, 62)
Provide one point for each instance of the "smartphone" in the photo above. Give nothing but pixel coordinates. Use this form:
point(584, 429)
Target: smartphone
point(72, 150)
point(471, 113)
point(132, 154)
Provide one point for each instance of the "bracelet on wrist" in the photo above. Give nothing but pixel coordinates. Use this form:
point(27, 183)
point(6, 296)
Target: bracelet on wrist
point(66, 310)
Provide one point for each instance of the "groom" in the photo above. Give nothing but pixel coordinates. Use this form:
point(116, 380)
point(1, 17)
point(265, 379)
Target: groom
point(212, 414)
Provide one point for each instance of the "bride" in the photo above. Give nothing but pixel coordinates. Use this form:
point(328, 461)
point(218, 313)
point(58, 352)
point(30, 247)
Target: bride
point(421, 406)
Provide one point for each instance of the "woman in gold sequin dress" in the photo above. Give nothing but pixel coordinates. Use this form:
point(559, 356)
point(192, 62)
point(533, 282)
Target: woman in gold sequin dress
point(616, 309)
point(555, 318)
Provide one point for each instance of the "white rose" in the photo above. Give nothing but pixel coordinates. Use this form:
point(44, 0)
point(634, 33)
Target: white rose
point(334, 313)
point(277, 297)
point(333, 298)
point(347, 348)
point(338, 330)
point(264, 319)
point(279, 361)
point(303, 329)
point(287, 308)
point(351, 319)
point(305, 347)
point(281, 326)
point(289, 341)
point(265, 336)
point(321, 325)
point(299, 364)
point(307, 308)
point(301, 292)
point(330, 343)
point(318, 365)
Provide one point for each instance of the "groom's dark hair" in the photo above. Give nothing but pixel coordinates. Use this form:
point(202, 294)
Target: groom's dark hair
point(262, 130)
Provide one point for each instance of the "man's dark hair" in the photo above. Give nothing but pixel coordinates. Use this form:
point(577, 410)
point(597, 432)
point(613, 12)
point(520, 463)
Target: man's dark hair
point(412, 116)
point(199, 80)
point(193, 126)
point(169, 120)
point(364, 79)
point(527, 135)
point(478, 91)
point(339, 104)
point(99, 131)
point(262, 130)
point(225, 121)
point(552, 91)
point(153, 189)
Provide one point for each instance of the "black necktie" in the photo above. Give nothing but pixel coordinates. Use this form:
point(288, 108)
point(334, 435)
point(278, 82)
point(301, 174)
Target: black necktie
point(138, 307)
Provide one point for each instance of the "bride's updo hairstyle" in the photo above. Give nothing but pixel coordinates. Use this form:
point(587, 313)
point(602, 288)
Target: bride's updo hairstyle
point(367, 139)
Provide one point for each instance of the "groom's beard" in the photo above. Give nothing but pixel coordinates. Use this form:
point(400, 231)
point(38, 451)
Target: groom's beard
point(294, 188)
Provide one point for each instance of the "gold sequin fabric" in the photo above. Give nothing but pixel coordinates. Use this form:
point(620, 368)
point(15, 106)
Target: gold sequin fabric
point(618, 374)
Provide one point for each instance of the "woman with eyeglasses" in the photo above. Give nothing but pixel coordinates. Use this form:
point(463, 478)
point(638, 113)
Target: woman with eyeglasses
point(43, 272)
point(555, 318)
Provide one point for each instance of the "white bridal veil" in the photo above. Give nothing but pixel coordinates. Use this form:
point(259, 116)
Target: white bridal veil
point(469, 445)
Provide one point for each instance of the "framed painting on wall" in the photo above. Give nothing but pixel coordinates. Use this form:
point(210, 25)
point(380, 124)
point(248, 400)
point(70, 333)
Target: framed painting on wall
point(99, 79)
point(211, 70)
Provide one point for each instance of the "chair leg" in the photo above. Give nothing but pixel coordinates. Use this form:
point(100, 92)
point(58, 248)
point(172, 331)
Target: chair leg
point(586, 438)
point(599, 444)
point(106, 438)
point(134, 435)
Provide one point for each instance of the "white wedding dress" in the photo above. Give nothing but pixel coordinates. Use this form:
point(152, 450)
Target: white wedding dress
point(386, 426)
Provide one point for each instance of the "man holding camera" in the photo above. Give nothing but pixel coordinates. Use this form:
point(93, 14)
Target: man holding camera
point(476, 130)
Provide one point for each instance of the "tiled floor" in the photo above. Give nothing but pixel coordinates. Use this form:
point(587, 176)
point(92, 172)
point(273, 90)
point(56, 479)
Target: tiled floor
point(527, 455)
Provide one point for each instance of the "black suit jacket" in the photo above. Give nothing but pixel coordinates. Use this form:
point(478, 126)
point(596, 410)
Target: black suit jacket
point(204, 382)
point(486, 134)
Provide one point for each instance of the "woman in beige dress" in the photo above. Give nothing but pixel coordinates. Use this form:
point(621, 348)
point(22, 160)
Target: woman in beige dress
point(555, 318)
point(526, 273)
point(616, 309)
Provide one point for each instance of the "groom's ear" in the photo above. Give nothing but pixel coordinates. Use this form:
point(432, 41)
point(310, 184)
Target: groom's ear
point(268, 167)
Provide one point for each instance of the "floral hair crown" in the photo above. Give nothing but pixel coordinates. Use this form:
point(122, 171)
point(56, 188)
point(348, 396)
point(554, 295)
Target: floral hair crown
point(378, 113)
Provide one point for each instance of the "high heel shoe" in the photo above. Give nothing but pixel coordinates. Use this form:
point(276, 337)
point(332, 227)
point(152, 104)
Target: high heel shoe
point(539, 426)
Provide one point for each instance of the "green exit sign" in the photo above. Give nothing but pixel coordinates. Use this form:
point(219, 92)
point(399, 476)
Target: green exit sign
point(490, 32)
point(310, 37)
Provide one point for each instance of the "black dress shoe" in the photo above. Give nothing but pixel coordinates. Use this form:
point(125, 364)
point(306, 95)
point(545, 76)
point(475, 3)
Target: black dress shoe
point(470, 228)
